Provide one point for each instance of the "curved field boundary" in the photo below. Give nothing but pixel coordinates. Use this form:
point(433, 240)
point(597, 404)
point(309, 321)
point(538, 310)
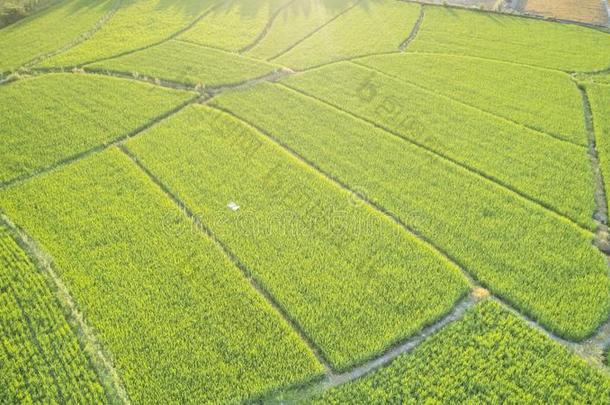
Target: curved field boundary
point(171, 36)
point(333, 380)
point(475, 171)
point(514, 13)
point(403, 46)
point(265, 30)
point(100, 359)
point(314, 31)
point(82, 38)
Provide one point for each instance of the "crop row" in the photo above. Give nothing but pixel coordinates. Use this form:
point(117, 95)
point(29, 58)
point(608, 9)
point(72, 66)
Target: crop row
point(234, 24)
point(354, 281)
point(49, 118)
point(188, 63)
point(542, 99)
point(136, 24)
point(41, 360)
point(520, 40)
point(489, 356)
point(556, 173)
point(179, 320)
point(369, 27)
point(296, 21)
point(48, 31)
point(542, 263)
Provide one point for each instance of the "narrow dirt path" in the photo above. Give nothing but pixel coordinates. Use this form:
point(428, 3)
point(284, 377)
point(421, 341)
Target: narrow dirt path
point(100, 360)
point(403, 46)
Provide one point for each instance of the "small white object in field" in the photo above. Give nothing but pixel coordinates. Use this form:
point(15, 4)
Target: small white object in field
point(233, 206)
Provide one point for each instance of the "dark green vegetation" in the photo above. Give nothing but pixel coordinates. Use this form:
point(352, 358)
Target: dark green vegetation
point(41, 359)
point(257, 200)
point(489, 356)
point(14, 10)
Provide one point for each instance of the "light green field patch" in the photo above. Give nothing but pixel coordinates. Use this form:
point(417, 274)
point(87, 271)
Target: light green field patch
point(48, 31)
point(521, 40)
point(296, 21)
point(354, 281)
point(41, 360)
point(179, 320)
point(541, 99)
point(544, 265)
point(138, 23)
point(599, 96)
point(556, 173)
point(376, 26)
point(234, 24)
point(188, 63)
point(46, 119)
point(489, 356)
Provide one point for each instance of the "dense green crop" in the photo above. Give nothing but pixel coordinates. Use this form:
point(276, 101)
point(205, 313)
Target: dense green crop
point(551, 171)
point(234, 24)
point(489, 356)
point(354, 281)
point(520, 40)
point(542, 99)
point(41, 360)
point(296, 21)
point(599, 96)
point(180, 321)
point(138, 23)
point(188, 63)
point(380, 27)
point(544, 264)
point(48, 31)
point(49, 118)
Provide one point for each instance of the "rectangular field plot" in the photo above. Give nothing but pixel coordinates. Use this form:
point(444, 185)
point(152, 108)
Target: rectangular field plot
point(295, 22)
point(234, 25)
point(41, 359)
point(48, 31)
point(188, 63)
point(355, 282)
point(179, 320)
point(599, 96)
point(586, 11)
point(46, 119)
point(555, 173)
point(512, 39)
point(541, 99)
point(136, 24)
point(542, 263)
point(369, 27)
point(489, 356)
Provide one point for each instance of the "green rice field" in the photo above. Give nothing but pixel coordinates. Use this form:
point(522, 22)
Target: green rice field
point(302, 201)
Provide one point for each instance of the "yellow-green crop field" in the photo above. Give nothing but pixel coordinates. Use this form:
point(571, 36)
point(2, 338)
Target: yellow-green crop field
point(302, 201)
